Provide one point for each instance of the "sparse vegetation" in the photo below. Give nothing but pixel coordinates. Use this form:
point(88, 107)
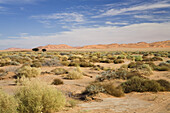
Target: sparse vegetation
point(137, 84)
point(7, 103)
point(57, 81)
point(37, 97)
point(28, 71)
point(59, 71)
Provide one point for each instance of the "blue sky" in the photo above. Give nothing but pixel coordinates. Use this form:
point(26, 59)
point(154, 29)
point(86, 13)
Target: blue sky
point(32, 23)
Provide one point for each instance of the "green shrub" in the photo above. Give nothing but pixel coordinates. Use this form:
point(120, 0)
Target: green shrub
point(28, 71)
point(137, 84)
point(165, 84)
point(7, 103)
point(37, 97)
point(57, 81)
point(138, 58)
point(59, 71)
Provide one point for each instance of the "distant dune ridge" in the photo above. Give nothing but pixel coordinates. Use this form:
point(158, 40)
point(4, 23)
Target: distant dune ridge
point(160, 44)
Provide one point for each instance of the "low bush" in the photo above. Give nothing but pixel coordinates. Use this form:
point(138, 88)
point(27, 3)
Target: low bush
point(85, 64)
point(7, 103)
point(74, 75)
point(97, 87)
point(93, 89)
point(37, 97)
point(36, 64)
point(162, 68)
point(72, 103)
point(137, 84)
point(59, 71)
point(121, 57)
point(138, 58)
point(57, 81)
point(112, 90)
point(165, 84)
point(28, 71)
point(51, 62)
point(65, 63)
point(132, 65)
point(156, 58)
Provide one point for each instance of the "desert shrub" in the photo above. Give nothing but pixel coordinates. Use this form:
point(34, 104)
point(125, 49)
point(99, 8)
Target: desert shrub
point(162, 68)
point(156, 58)
point(121, 57)
point(94, 88)
point(74, 64)
point(152, 65)
point(137, 84)
point(118, 61)
point(51, 62)
point(7, 103)
point(164, 64)
point(144, 69)
point(28, 71)
point(85, 64)
point(98, 67)
point(65, 63)
point(59, 71)
point(130, 57)
point(72, 102)
point(94, 59)
point(165, 84)
point(133, 73)
point(57, 81)
point(132, 65)
point(112, 90)
point(74, 75)
point(14, 63)
point(5, 62)
point(168, 61)
point(37, 97)
point(36, 64)
point(138, 58)
point(64, 58)
point(113, 74)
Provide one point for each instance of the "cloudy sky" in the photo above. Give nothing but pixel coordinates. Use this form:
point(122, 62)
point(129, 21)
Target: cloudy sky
point(32, 23)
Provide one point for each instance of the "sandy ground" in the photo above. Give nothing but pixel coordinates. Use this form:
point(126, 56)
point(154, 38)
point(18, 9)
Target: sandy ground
point(130, 103)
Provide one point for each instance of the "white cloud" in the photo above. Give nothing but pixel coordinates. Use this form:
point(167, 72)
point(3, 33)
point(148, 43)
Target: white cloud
point(116, 23)
point(148, 32)
point(67, 17)
point(143, 16)
point(113, 12)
